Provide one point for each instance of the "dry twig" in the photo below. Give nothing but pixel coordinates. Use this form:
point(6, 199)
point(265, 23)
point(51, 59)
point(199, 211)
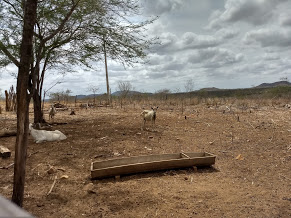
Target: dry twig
point(53, 185)
point(33, 153)
point(251, 125)
point(7, 167)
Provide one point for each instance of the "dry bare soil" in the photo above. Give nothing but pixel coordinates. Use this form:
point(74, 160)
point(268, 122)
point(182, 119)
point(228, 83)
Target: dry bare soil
point(251, 177)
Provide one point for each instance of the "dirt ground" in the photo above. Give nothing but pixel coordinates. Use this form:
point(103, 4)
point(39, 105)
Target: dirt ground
point(251, 176)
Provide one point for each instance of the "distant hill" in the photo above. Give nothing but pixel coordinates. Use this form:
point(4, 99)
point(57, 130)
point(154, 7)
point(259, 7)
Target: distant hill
point(87, 96)
point(118, 93)
point(210, 89)
point(275, 84)
point(263, 85)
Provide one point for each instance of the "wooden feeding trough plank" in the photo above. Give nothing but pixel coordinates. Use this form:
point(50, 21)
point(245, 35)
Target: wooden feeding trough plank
point(136, 164)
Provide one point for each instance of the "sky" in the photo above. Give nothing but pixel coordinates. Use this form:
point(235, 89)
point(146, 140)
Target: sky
point(214, 43)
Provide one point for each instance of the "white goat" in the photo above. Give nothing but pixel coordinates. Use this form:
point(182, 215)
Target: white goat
point(44, 135)
point(52, 112)
point(149, 115)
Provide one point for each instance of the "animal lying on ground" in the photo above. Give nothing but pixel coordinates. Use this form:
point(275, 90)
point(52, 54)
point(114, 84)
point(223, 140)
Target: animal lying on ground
point(44, 135)
point(149, 115)
point(52, 112)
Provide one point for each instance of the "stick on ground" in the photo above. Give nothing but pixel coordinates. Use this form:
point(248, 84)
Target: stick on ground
point(53, 185)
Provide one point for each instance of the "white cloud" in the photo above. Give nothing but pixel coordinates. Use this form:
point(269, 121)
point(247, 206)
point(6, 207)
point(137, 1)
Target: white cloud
point(225, 33)
point(268, 37)
point(191, 40)
point(215, 57)
point(271, 56)
point(255, 12)
point(154, 59)
point(225, 44)
point(285, 19)
point(158, 7)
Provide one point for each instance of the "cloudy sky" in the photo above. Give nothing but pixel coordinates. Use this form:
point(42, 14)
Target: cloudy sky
point(214, 43)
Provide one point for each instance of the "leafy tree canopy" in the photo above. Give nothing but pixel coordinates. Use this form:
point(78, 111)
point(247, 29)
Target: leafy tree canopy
point(73, 31)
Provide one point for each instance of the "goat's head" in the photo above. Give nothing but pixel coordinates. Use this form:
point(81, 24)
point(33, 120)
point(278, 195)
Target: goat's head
point(154, 108)
point(30, 126)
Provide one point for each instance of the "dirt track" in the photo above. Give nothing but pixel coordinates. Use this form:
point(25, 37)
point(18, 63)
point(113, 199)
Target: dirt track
point(255, 185)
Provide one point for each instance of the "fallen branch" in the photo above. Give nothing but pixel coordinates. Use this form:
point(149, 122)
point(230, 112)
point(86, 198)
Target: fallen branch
point(36, 166)
point(251, 125)
point(53, 185)
point(7, 133)
point(207, 124)
point(224, 151)
point(7, 167)
point(10, 165)
point(56, 124)
point(33, 153)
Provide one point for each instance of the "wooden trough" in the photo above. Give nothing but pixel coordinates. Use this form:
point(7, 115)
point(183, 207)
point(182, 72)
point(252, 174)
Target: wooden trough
point(137, 164)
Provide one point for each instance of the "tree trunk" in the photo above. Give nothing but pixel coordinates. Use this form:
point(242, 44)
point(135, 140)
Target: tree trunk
point(106, 70)
point(38, 115)
point(36, 94)
point(7, 105)
point(23, 99)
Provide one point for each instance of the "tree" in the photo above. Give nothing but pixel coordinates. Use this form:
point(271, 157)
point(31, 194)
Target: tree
point(285, 79)
point(45, 92)
point(23, 98)
point(67, 94)
point(55, 96)
point(60, 96)
point(93, 89)
point(10, 100)
point(106, 72)
point(124, 88)
point(189, 85)
point(0, 100)
point(163, 93)
point(73, 33)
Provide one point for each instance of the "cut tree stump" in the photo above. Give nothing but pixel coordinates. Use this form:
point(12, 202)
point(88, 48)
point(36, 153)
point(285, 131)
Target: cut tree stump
point(4, 152)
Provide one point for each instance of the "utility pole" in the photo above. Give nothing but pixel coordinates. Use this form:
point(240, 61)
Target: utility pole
point(106, 70)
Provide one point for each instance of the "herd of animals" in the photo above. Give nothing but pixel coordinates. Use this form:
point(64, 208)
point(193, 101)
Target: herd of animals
point(41, 135)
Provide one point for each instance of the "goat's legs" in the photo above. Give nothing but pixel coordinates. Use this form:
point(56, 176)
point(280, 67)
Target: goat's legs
point(143, 124)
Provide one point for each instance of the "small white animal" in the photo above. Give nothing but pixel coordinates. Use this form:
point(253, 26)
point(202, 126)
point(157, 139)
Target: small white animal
point(52, 112)
point(149, 115)
point(44, 135)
